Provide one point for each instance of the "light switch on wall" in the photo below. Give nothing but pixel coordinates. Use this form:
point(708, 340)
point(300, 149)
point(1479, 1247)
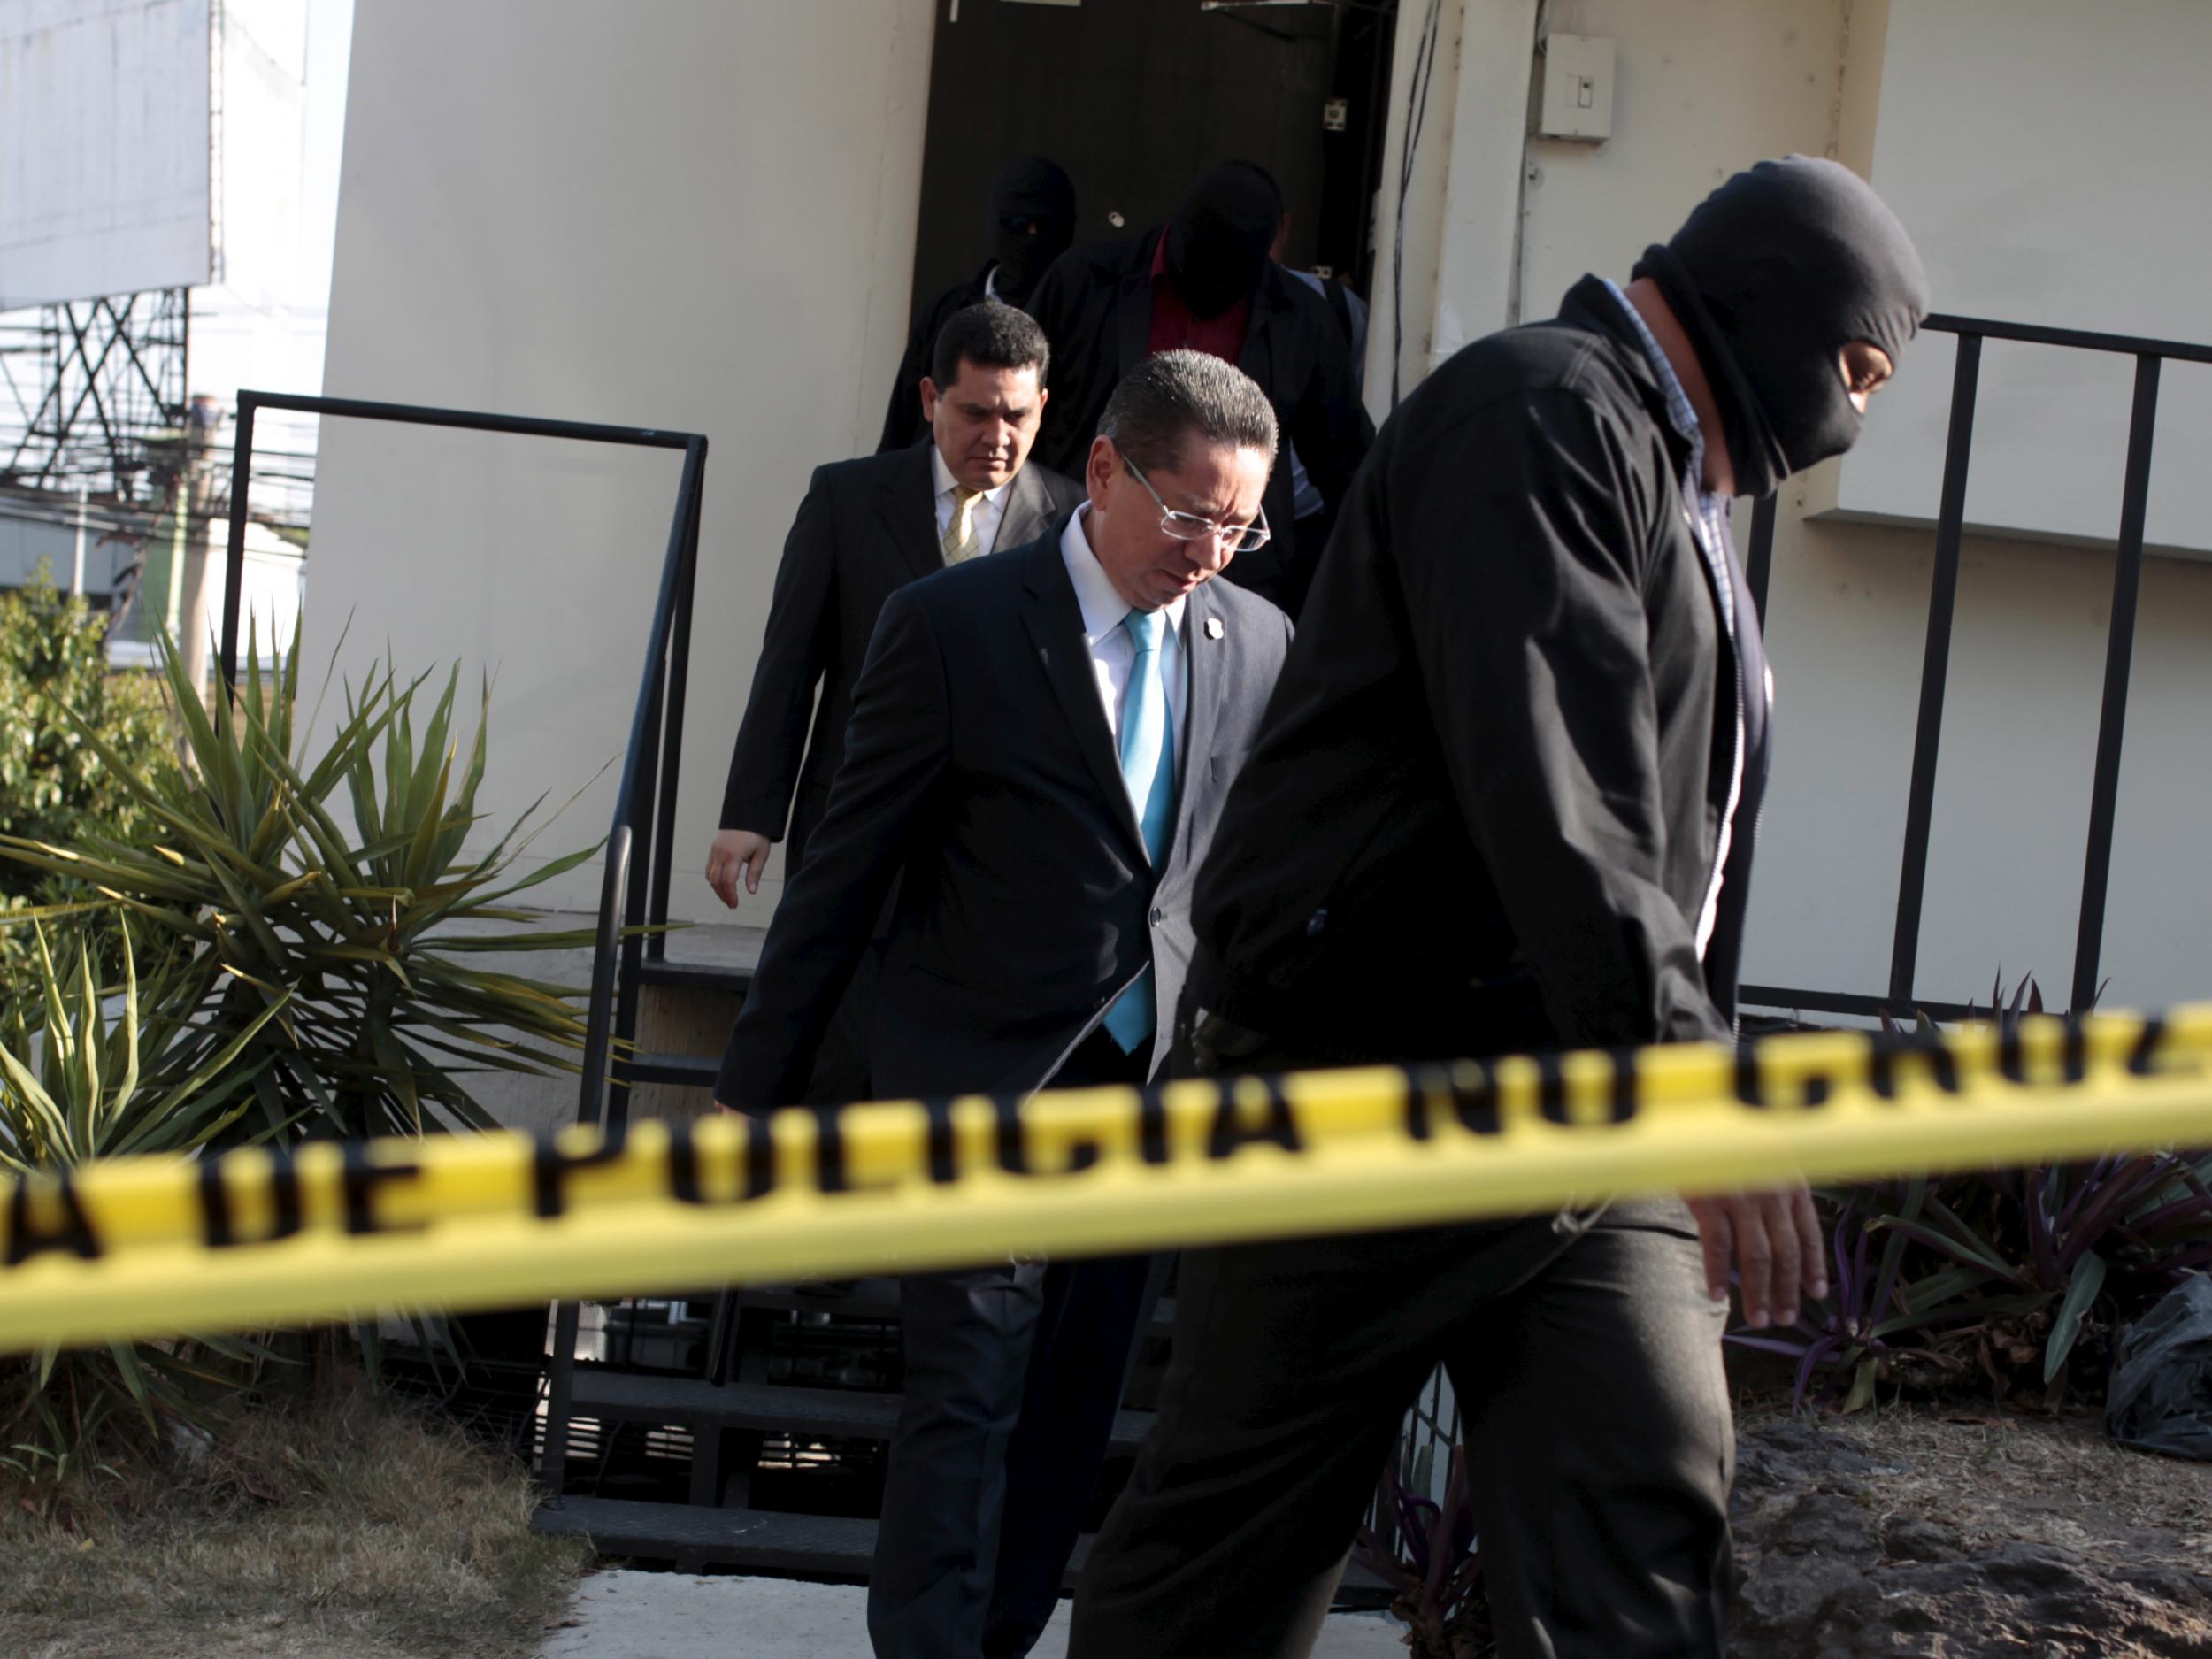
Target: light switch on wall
point(1577, 88)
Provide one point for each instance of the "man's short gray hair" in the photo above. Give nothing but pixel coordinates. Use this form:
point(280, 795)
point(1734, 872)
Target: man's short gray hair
point(1168, 399)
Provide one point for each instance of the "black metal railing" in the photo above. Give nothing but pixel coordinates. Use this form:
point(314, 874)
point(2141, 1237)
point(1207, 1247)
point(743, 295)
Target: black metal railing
point(2150, 354)
point(631, 888)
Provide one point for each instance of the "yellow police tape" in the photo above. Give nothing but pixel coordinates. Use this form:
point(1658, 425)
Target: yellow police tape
point(147, 1246)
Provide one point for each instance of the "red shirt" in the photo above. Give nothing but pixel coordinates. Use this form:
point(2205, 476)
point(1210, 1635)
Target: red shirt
point(1173, 326)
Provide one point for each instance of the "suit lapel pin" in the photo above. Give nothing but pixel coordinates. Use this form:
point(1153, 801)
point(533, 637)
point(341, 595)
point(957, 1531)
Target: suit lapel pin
point(1213, 627)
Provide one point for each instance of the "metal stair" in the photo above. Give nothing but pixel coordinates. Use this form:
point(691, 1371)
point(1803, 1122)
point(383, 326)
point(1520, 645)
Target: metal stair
point(724, 1407)
point(725, 1415)
point(696, 1404)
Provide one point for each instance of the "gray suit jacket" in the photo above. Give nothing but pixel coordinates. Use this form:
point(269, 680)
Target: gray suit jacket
point(865, 529)
point(979, 762)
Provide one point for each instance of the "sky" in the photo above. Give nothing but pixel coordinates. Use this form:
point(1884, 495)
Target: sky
point(329, 47)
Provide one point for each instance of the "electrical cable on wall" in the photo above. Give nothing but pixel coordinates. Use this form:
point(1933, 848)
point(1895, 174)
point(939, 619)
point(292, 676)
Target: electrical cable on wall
point(1416, 107)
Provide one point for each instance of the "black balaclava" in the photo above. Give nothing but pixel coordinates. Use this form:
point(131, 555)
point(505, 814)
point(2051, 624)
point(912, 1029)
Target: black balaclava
point(1218, 239)
point(1772, 276)
point(1033, 223)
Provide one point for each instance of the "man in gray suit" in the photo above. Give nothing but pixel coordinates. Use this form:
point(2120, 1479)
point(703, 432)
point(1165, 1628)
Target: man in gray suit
point(1041, 741)
point(867, 528)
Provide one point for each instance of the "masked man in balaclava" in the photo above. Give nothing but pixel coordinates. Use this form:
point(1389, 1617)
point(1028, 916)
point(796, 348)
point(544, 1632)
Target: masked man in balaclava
point(1205, 281)
point(1032, 223)
point(1503, 801)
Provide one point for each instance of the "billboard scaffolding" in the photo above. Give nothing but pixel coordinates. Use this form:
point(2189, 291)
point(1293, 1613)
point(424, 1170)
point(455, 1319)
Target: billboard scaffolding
point(90, 392)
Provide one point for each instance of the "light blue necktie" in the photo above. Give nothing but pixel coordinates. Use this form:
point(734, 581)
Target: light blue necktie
point(1148, 771)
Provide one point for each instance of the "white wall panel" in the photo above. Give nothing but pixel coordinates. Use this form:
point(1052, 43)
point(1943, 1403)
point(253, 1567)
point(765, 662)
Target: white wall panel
point(104, 168)
point(2049, 158)
point(697, 215)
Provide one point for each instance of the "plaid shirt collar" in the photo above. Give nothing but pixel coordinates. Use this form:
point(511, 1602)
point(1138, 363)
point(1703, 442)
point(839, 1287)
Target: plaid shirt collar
point(1709, 511)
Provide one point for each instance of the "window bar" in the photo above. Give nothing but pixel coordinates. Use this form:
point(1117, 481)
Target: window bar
point(1935, 666)
point(2127, 581)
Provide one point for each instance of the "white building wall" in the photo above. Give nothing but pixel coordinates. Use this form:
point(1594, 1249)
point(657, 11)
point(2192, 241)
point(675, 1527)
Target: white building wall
point(1848, 607)
point(704, 220)
point(2056, 154)
point(1703, 87)
point(42, 529)
point(698, 215)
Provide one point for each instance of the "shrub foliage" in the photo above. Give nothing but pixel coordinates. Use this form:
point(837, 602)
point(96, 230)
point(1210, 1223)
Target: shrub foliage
point(295, 929)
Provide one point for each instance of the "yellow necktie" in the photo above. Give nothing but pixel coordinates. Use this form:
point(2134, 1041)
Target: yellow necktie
point(960, 539)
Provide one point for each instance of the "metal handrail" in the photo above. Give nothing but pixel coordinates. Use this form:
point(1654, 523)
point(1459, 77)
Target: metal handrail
point(2150, 354)
point(645, 796)
point(668, 645)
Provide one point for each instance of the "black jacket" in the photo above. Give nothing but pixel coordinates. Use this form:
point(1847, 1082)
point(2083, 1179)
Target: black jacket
point(903, 420)
point(1095, 308)
point(1485, 808)
point(979, 760)
point(867, 528)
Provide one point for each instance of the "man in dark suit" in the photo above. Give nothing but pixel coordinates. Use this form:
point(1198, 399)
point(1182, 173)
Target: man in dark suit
point(1505, 802)
point(1205, 281)
point(865, 528)
point(1039, 742)
point(1032, 223)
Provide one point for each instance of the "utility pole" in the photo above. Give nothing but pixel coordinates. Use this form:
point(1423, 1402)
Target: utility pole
point(202, 587)
point(76, 565)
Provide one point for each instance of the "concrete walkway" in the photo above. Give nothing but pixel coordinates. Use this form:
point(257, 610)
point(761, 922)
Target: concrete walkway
point(671, 1615)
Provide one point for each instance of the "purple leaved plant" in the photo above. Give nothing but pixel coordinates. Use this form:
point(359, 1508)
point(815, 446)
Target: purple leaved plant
point(1430, 1561)
point(2000, 1273)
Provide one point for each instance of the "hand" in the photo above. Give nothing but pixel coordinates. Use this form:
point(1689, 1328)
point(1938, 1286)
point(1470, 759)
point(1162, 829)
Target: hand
point(1775, 1238)
point(734, 850)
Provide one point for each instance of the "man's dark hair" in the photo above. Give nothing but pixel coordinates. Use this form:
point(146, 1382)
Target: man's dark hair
point(990, 335)
point(1168, 399)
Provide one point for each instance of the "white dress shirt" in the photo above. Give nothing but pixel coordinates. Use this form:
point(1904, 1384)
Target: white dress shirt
point(1113, 653)
point(990, 507)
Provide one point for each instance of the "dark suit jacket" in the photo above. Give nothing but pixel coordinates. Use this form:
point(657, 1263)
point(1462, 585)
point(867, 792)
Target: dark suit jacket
point(865, 528)
point(1487, 806)
point(980, 762)
point(903, 420)
point(1095, 308)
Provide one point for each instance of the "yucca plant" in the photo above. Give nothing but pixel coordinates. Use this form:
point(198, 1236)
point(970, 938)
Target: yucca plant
point(76, 1067)
point(366, 934)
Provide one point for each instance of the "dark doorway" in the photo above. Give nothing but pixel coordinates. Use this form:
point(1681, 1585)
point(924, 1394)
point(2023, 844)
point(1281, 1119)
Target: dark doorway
point(1136, 97)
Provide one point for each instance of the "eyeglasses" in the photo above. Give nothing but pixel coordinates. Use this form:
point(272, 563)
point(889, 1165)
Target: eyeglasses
point(1189, 526)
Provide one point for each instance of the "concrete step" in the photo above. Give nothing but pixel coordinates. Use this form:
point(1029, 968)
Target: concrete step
point(686, 1070)
point(826, 1546)
point(821, 1546)
point(709, 956)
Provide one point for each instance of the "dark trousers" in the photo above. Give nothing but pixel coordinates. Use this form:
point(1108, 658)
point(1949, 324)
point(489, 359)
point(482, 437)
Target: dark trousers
point(1586, 1360)
point(1013, 1375)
